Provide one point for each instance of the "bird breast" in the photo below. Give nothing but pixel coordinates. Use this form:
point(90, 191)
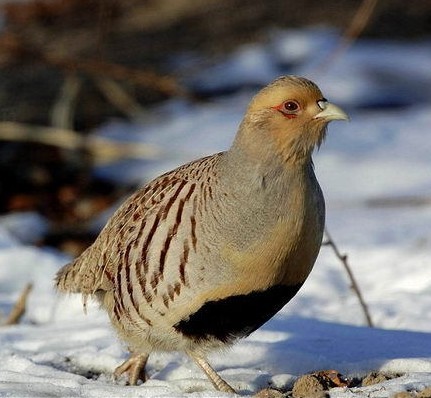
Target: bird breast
point(270, 237)
point(256, 274)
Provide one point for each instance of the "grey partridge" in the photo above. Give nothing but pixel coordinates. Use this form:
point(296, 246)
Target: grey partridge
point(207, 253)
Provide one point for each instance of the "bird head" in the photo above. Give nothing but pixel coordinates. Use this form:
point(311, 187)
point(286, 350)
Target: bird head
point(288, 117)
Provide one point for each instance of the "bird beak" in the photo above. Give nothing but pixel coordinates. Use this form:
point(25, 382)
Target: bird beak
point(330, 112)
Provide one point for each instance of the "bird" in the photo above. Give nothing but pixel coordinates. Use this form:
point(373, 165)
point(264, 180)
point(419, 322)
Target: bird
point(205, 254)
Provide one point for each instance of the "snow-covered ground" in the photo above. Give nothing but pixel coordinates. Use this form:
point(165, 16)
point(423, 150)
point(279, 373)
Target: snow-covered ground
point(376, 175)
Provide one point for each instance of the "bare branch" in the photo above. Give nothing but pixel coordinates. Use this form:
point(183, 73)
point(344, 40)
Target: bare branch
point(18, 309)
point(343, 258)
point(117, 95)
point(103, 150)
point(62, 138)
point(14, 46)
point(353, 31)
point(62, 113)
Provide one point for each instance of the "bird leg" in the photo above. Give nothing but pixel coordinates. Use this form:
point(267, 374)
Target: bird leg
point(135, 367)
point(215, 379)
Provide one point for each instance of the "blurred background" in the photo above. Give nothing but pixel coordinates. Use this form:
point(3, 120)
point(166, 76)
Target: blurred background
point(99, 96)
point(79, 80)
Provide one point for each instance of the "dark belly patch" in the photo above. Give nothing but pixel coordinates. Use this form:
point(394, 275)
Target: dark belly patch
point(236, 316)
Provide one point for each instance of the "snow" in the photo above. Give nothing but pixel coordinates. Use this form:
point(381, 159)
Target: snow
point(375, 172)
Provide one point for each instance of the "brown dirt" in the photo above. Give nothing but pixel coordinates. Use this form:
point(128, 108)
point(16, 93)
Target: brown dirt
point(317, 385)
point(402, 394)
point(426, 393)
point(309, 386)
point(377, 377)
point(269, 393)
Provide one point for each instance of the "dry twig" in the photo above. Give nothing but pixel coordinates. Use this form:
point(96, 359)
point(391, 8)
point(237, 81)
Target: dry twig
point(21, 132)
point(103, 150)
point(117, 95)
point(343, 258)
point(353, 31)
point(13, 45)
point(63, 111)
point(18, 309)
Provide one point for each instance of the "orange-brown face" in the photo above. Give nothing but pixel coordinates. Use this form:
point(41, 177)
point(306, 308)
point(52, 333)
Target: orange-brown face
point(294, 113)
point(295, 98)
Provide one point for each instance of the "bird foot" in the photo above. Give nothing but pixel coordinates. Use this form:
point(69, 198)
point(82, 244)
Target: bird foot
point(214, 377)
point(135, 367)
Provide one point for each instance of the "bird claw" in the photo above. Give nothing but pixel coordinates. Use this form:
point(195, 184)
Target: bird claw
point(135, 367)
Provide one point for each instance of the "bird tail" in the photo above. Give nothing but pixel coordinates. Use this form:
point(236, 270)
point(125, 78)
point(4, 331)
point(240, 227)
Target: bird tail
point(84, 275)
point(66, 279)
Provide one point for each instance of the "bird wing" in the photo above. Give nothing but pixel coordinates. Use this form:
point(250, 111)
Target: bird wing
point(131, 253)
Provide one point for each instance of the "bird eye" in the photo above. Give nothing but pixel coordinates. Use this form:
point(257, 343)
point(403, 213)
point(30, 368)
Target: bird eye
point(290, 106)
